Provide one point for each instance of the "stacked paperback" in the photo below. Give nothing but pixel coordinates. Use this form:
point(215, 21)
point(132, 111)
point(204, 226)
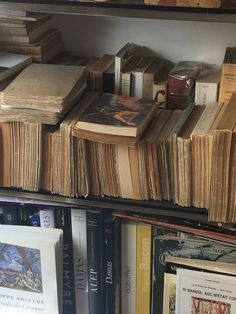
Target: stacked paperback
point(29, 33)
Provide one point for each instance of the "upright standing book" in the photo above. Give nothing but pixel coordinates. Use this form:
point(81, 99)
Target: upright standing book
point(30, 270)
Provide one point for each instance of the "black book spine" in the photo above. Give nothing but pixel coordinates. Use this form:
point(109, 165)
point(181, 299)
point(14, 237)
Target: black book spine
point(109, 290)
point(63, 221)
point(10, 215)
point(95, 255)
point(23, 215)
point(112, 264)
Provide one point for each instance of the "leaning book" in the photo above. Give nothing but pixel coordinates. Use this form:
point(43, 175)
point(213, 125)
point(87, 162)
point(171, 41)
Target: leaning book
point(30, 270)
point(117, 115)
point(205, 293)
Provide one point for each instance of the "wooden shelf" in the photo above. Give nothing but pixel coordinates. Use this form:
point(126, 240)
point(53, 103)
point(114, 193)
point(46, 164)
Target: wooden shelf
point(134, 10)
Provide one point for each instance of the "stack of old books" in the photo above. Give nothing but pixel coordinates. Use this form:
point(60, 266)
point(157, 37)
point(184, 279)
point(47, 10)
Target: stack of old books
point(40, 94)
point(29, 33)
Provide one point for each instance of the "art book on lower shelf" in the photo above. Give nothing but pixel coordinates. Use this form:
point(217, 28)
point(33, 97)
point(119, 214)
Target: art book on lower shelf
point(30, 270)
point(205, 293)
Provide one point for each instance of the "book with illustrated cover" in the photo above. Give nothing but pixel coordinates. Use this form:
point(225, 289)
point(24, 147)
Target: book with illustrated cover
point(175, 263)
point(117, 115)
point(204, 292)
point(188, 248)
point(30, 270)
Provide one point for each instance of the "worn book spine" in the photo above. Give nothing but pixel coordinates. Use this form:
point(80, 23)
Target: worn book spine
point(63, 221)
point(47, 218)
point(125, 84)
point(23, 215)
point(95, 257)
point(79, 240)
point(143, 276)
point(128, 268)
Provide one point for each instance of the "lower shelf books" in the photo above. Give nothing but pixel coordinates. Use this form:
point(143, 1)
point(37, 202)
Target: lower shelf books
point(205, 293)
point(173, 264)
point(30, 270)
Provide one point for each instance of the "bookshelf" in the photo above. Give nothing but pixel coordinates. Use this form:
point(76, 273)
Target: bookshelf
point(63, 11)
point(69, 15)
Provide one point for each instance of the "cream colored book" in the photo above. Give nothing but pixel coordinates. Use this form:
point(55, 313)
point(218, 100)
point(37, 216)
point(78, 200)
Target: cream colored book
point(45, 87)
point(31, 263)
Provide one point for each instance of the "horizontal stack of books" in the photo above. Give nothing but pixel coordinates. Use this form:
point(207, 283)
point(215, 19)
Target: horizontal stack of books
point(29, 33)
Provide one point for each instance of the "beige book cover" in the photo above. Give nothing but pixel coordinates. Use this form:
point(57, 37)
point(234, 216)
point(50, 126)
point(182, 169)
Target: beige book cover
point(45, 87)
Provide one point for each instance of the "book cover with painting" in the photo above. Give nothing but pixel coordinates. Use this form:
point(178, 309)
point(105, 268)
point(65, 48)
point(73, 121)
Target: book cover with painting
point(117, 115)
point(30, 270)
point(204, 292)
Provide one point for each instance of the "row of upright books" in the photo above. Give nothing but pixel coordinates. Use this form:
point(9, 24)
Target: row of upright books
point(62, 134)
point(110, 262)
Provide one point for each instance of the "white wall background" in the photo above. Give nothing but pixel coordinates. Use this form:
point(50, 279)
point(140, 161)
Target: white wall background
point(176, 40)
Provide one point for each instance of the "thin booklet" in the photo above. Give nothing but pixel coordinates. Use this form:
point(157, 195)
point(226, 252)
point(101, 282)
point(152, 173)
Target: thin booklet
point(30, 270)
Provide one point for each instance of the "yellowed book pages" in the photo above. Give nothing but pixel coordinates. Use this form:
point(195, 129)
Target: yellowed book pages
point(134, 169)
point(125, 179)
point(199, 3)
point(81, 167)
point(201, 152)
point(42, 86)
point(67, 151)
point(6, 154)
point(174, 151)
point(220, 161)
point(143, 274)
point(227, 82)
point(184, 157)
point(56, 162)
point(231, 212)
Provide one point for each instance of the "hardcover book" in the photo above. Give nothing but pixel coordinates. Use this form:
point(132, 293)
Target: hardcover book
point(117, 115)
point(30, 270)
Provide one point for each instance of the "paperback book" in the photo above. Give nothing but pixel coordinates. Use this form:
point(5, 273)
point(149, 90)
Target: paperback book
point(30, 270)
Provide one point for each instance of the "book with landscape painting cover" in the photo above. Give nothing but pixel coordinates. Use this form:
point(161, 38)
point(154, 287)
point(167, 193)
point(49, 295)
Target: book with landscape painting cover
point(117, 115)
point(30, 270)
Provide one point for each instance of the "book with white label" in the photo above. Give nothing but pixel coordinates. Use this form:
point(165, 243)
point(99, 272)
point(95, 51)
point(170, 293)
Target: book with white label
point(205, 292)
point(207, 88)
point(31, 270)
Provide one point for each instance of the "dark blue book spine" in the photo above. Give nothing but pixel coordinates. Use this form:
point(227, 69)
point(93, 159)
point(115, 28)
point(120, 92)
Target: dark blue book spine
point(63, 221)
point(95, 255)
